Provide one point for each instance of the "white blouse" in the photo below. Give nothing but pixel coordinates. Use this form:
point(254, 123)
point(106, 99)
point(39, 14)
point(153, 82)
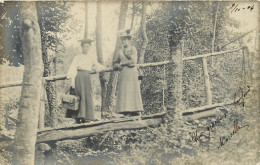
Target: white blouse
point(84, 62)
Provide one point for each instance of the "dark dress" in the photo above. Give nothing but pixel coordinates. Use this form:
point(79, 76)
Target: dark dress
point(83, 89)
point(129, 98)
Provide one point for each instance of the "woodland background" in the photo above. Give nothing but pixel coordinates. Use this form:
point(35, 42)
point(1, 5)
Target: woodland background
point(189, 26)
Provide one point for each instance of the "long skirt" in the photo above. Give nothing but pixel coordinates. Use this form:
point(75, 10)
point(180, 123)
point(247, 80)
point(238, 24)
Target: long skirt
point(83, 89)
point(128, 94)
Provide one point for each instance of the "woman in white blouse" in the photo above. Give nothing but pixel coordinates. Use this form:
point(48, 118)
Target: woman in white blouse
point(79, 73)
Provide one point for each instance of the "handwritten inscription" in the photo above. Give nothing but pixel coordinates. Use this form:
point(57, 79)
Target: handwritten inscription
point(240, 95)
point(225, 139)
point(195, 137)
point(235, 8)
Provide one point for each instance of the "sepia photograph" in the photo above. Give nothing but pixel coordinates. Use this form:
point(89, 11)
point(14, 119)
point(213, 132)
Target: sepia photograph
point(129, 82)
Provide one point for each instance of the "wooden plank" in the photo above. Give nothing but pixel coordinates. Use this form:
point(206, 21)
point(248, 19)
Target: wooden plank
point(115, 120)
point(84, 131)
point(205, 108)
point(200, 115)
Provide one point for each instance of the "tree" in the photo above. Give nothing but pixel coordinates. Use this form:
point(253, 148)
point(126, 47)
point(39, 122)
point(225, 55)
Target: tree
point(52, 17)
point(133, 15)
point(26, 128)
point(102, 78)
point(144, 35)
point(86, 20)
point(111, 86)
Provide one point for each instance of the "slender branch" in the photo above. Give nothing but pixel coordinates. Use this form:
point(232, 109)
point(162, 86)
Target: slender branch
point(223, 46)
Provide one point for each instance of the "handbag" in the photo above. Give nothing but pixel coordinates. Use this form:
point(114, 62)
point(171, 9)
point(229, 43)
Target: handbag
point(70, 101)
point(140, 74)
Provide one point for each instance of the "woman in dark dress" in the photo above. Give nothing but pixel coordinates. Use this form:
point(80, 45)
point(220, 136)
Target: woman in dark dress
point(129, 100)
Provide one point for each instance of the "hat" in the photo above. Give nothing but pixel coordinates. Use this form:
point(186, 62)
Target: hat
point(86, 41)
point(126, 33)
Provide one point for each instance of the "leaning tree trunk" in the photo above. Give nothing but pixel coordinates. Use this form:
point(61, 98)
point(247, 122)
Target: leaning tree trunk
point(144, 35)
point(26, 128)
point(111, 86)
point(102, 78)
point(174, 79)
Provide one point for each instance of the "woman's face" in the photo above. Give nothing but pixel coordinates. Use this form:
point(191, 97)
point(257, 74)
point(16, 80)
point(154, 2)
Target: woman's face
point(85, 48)
point(125, 41)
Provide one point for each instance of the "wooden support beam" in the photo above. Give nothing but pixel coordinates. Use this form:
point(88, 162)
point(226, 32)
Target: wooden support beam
point(84, 130)
point(42, 107)
point(207, 82)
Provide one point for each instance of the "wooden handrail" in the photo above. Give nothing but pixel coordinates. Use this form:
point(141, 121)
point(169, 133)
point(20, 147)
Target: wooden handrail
point(209, 54)
point(63, 77)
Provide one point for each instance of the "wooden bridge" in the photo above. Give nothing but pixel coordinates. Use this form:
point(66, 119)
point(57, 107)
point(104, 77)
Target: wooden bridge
point(88, 129)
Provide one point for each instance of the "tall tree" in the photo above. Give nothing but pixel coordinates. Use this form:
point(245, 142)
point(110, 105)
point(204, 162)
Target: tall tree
point(133, 15)
point(102, 78)
point(49, 26)
point(86, 20)
point(144, 35)
point(51, 18)
point(26, 128)
point(111, 86)
point(214, 20)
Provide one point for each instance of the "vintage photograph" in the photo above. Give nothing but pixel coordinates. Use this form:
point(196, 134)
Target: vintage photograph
point(129, 83)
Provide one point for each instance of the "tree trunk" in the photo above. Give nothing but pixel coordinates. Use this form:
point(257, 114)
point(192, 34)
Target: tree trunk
point(174, 79)
point(215, 17)
point(86, 20)
point(50, 86)
point(144, 35)
point(133, 15)
point(26, 128)
point(111, 86)
point(102, 78)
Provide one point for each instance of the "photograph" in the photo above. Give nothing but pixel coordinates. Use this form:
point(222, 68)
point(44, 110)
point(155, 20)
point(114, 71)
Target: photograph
point(129, 82)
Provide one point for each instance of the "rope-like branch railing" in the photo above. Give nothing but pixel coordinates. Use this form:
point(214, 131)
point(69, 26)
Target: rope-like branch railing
point(63, 77)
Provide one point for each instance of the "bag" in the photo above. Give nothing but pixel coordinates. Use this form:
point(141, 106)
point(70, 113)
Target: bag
point(140, 74)
point(69, 101)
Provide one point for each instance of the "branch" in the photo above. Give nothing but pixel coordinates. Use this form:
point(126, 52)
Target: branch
point(223, 46)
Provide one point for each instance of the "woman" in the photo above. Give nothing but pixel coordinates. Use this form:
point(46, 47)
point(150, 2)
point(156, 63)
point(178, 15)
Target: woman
point(129, 100)
point(79, 72)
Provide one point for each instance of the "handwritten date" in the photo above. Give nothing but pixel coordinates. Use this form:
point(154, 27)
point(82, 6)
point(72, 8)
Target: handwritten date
point(235, 8)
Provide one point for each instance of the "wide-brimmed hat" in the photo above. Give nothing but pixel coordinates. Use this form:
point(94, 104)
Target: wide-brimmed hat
point(125, 33)
point(86, 41)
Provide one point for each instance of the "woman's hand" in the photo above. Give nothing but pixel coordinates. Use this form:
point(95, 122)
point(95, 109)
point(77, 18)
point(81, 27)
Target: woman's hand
point(117, 66)
point(93, 69)
point(131, 64)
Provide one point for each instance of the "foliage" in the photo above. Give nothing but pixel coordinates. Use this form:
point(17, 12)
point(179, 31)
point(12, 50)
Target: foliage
point(51, 17)
point(193, 24)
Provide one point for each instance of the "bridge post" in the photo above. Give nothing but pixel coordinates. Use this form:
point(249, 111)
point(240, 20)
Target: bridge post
point(207, 82)
point(42, 106)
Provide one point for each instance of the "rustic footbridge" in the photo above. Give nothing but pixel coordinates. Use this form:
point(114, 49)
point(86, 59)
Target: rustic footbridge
point(140, 122)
